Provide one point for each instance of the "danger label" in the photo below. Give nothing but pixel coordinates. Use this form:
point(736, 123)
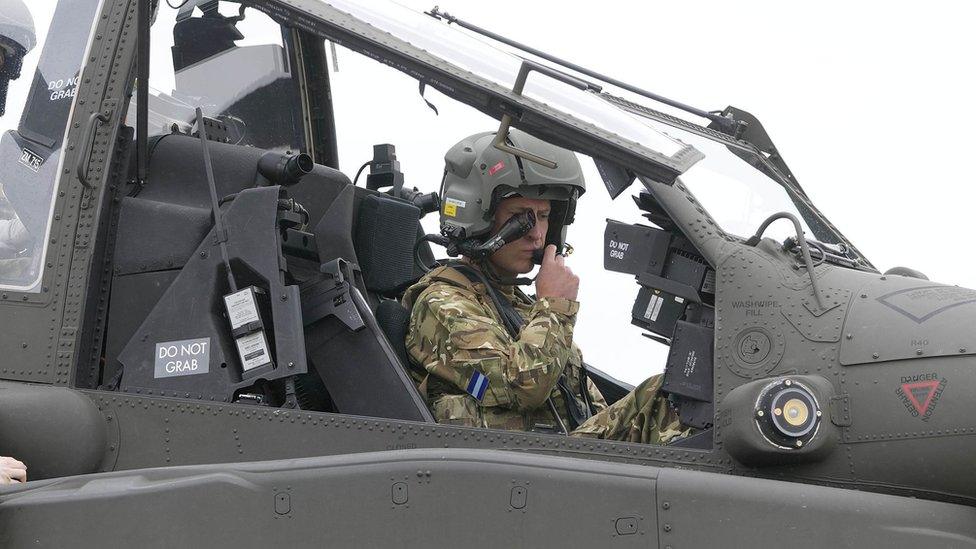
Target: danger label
point(182, 358)
point(921, 393)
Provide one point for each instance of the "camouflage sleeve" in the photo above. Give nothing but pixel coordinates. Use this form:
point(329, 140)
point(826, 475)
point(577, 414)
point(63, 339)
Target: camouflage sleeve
point(453, 335)
point(643, 415)
point(596, 397)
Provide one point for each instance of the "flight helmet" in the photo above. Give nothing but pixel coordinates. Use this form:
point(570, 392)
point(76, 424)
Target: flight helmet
point(17, 38)
point(477, 176)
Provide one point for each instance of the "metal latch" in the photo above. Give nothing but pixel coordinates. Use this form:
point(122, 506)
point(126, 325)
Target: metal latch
point(331, 296)
point(840, 410)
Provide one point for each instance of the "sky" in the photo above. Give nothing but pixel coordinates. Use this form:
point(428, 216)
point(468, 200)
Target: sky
point(868, 102)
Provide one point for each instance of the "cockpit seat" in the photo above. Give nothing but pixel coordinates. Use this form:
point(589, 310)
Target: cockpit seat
point(360, 370)
point(386, 233)
point(360, 366)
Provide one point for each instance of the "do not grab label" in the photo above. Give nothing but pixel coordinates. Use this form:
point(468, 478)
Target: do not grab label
point(182, 358)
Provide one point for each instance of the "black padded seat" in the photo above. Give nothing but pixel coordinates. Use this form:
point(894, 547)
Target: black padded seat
point(394, 319)
point(366, 370)
point(361, 370)
point(387, 231)
point(162, 226)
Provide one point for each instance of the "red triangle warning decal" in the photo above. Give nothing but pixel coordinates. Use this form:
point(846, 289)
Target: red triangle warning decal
point(920, 394)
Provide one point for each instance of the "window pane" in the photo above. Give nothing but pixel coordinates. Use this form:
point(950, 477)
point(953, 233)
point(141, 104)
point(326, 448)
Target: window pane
point(237, 70)
point(32, 131)
point(476, 55)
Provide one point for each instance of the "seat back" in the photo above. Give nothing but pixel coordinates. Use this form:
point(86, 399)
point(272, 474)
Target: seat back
point(387, 231)
point(362, 367)
point(385, 235)
point(394, 320)
point(359, 366)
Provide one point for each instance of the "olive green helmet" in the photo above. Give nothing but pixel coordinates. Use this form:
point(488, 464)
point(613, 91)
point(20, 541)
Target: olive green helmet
point(477, 176)
point(17, 39)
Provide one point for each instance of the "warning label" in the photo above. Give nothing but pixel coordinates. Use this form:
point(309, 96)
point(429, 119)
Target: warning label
point(182, 358)
point(653, 308)
point(451, 206)
point(921, 393)
point(241, 308)
point(253, 349)
point(496, 168)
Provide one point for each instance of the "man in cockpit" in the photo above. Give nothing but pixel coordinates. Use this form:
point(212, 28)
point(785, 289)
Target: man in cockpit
point(484, 353)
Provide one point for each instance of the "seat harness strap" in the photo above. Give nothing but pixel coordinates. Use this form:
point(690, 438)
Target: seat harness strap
point(513, 322)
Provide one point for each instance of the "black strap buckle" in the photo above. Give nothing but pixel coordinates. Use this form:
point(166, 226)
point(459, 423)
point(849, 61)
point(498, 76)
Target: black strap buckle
point(332, 296)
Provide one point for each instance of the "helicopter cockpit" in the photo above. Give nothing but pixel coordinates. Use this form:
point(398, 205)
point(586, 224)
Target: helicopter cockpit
point(212, 285)
point(235, 91)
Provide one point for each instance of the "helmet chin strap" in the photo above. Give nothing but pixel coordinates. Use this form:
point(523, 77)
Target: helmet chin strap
point(492, 274)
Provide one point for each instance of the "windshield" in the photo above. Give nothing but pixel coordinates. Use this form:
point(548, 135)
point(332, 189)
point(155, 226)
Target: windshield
point(738, 196)
point(473, 54)
point(32, 130)
point(234, 65)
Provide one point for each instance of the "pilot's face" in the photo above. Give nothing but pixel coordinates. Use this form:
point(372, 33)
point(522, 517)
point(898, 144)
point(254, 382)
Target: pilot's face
point(515, 257)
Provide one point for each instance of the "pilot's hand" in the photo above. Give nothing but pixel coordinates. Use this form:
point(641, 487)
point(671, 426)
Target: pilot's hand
point(555, 279)
point(12, 470)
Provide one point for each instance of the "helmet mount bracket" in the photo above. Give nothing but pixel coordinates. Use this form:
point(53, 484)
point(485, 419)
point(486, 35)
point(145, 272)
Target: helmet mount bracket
point(501, 136)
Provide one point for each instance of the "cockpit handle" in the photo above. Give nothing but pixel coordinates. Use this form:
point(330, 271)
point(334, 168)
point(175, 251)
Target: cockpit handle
point(81, 166)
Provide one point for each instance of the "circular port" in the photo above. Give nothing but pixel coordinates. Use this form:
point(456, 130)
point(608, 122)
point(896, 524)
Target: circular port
point(795, 412)
point(787, 414)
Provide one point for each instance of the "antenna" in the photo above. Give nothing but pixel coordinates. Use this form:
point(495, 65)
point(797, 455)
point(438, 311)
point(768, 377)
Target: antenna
point(220, 231)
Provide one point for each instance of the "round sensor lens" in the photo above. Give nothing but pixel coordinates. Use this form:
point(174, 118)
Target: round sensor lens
point(796, 412)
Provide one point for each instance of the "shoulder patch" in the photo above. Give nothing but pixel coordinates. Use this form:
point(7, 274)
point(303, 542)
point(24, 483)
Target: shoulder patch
point(477, 385)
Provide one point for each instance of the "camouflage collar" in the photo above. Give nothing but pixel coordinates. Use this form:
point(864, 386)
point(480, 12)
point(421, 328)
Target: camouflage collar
point(453, 276)
point(504, 287)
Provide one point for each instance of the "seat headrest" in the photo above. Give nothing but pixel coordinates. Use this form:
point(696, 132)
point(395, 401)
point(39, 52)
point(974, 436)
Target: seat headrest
point(386, 233)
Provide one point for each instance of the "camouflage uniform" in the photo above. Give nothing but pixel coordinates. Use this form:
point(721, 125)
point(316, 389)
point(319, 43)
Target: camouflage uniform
point(455, 331)
point(643, 415)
